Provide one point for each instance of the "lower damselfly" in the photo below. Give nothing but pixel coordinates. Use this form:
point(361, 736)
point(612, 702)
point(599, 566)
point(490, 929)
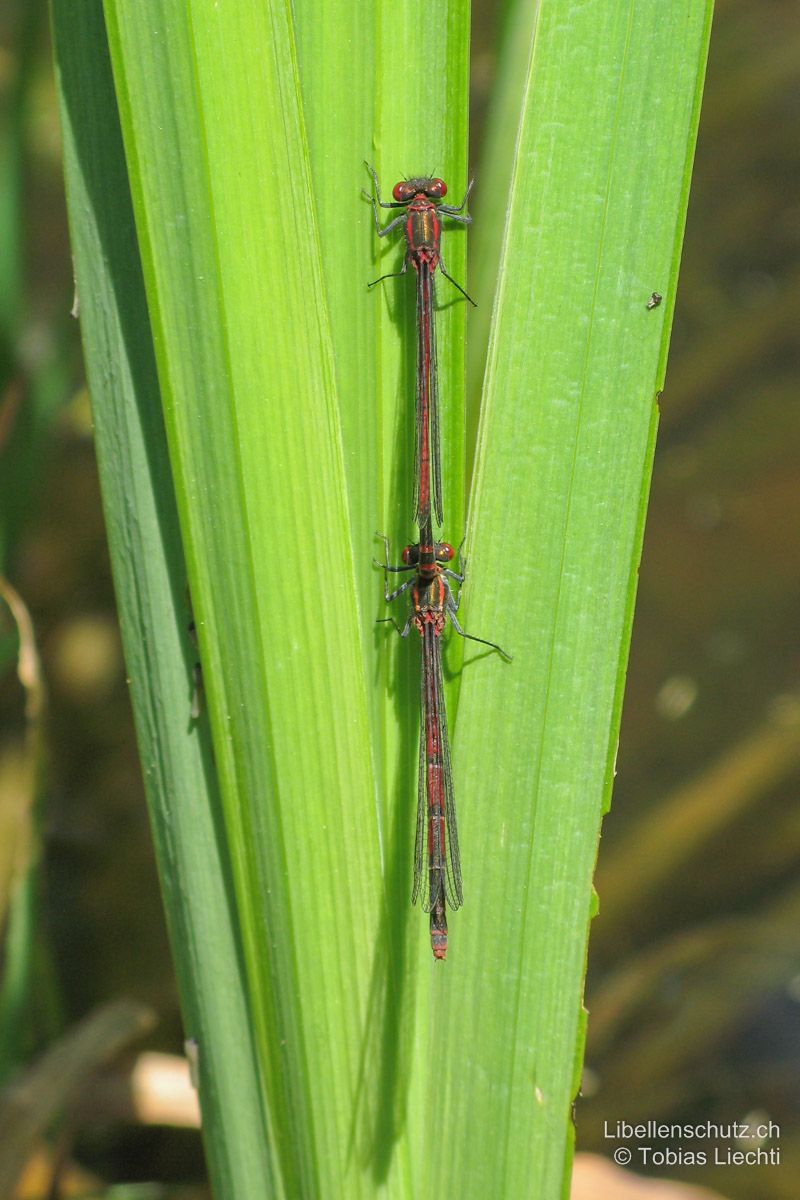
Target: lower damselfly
point(437, 862)
point(420, 198)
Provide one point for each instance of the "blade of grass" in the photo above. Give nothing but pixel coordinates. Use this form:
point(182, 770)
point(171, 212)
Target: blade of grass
point(149, 575)
point(597, 205)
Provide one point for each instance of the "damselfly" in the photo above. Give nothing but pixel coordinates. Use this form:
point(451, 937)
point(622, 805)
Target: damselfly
point(421, 199)
point(437, 870)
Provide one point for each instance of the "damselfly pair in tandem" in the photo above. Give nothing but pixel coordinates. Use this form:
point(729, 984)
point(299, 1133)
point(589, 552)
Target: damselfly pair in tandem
point(437, 862)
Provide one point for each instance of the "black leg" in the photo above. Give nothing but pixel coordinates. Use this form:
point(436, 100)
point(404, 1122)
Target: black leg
point(381, 229)
point(390, 275)
point(466, 295)
point(386, 567)
point(469, 637)
point(453, 209)
point(390, 203)
point(391, 621)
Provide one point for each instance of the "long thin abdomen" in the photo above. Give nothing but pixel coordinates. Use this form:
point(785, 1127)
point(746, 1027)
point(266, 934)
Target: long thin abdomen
point(438, 785)
point(428, 483)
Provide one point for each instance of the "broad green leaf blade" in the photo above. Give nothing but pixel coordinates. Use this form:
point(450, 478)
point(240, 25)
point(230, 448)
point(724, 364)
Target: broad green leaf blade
point(420, 127)
point(374, 89)
point(597, 206)
point(149, 574)
point(210, 116)
point(409, 117)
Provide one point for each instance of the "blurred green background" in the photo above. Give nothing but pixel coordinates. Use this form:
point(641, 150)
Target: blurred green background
point(694, 971)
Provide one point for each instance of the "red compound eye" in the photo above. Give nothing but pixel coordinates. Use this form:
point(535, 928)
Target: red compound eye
point(445, 552)
point(406, 555)
point(402, 192)
point(436, 189)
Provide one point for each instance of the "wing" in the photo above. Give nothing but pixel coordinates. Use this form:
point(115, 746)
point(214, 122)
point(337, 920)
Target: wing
point(437, 863)
point(428, 472)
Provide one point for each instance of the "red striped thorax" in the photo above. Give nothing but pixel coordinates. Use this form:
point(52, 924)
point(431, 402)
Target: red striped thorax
point(429, 593)
point(422, 227)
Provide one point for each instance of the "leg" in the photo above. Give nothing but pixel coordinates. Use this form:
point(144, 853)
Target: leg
point(385, 563)
point(466, 295)
point(453, 209)
point(385, 566)
point(452, 603)
point(458, 576)
point(391, 621)
point(391, 274)
point(462, 560)
point(390, 203)
point(382, 231)
point(398, 591)
point(469, 637)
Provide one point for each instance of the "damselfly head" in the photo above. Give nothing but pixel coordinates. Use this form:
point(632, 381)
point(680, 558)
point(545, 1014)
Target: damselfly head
point(407, 189)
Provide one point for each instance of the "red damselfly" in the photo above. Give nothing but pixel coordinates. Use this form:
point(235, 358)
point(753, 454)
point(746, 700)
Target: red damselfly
point(437, 863)
point(420, 198)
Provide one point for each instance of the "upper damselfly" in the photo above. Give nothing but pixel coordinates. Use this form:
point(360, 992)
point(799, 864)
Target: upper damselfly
point(420, 198)
point(437, 862)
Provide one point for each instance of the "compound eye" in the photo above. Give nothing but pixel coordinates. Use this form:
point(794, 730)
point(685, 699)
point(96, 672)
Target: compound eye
point(436, 189)
point(402, 192)
point(406, 555)
point(445, 552)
